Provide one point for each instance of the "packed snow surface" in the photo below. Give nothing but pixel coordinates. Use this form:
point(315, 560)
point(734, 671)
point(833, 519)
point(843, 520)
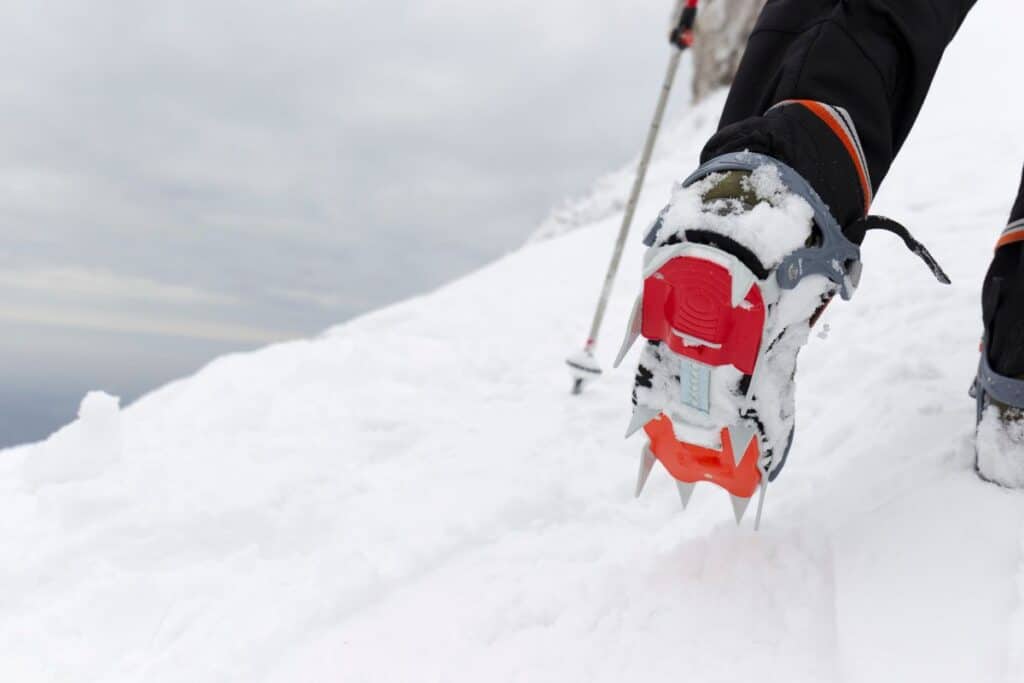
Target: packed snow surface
point(415, 496)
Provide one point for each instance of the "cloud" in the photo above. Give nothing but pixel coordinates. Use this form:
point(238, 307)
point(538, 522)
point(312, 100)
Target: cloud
point(90, 299)
point(132, 323)
point(224, 171)
point(104, 284)
point(271, 146)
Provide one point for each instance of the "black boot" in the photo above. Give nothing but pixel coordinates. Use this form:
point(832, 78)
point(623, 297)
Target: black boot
point(999, 388)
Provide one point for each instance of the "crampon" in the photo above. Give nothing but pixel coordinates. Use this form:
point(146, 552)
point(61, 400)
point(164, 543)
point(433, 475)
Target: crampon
point(725, 316)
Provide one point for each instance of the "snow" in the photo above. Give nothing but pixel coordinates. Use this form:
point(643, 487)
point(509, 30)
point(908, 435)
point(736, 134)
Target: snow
point(772, 229)
point(997, 441)
point(415, 496)
point(86, 448)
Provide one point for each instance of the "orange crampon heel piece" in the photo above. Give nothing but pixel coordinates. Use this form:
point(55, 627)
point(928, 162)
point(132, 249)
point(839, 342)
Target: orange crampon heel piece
point(733, 467)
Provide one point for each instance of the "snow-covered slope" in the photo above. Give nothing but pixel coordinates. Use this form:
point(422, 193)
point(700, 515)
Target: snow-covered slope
point(415, 496)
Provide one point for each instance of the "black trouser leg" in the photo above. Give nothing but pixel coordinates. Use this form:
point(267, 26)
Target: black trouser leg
point(873, 58)
point(1002, 297)
point(1017, 212)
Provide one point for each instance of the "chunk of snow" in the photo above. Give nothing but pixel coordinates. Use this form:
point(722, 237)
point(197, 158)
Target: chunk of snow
point(771, 229)
point(1000, 446)
point(83, 449)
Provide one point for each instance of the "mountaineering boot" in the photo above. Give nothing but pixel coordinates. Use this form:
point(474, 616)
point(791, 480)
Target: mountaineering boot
point(740, 264)
point(714, 386)
point(999, 386)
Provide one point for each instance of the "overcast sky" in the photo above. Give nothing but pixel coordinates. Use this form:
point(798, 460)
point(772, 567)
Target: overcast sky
point(178, 180)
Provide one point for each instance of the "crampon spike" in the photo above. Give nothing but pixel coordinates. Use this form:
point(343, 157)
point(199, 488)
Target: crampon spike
point(641, 416)
point(741, 436)
point(647, 461)
point(685, 492)
point(632, 332)
point(739, 506)
point(760, 504)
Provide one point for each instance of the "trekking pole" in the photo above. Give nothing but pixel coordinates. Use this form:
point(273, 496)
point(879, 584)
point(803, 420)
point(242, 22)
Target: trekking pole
point(582, 365)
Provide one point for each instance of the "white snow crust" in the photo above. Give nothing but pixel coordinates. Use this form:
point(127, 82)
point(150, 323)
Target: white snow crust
point(415, 496)
point(999, 445)
point(86, 448)
point(772, 229)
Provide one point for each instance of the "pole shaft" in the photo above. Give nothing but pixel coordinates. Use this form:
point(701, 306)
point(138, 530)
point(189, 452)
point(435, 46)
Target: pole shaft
point(634, 196)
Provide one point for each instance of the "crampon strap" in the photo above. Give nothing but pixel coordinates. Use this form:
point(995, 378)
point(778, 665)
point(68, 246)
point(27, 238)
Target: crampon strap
point(990, 385)
point(856, 231)
point(837, 255)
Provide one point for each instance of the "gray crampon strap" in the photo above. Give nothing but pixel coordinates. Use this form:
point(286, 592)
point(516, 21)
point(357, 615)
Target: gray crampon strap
point(837, 257)
point(991, 385)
